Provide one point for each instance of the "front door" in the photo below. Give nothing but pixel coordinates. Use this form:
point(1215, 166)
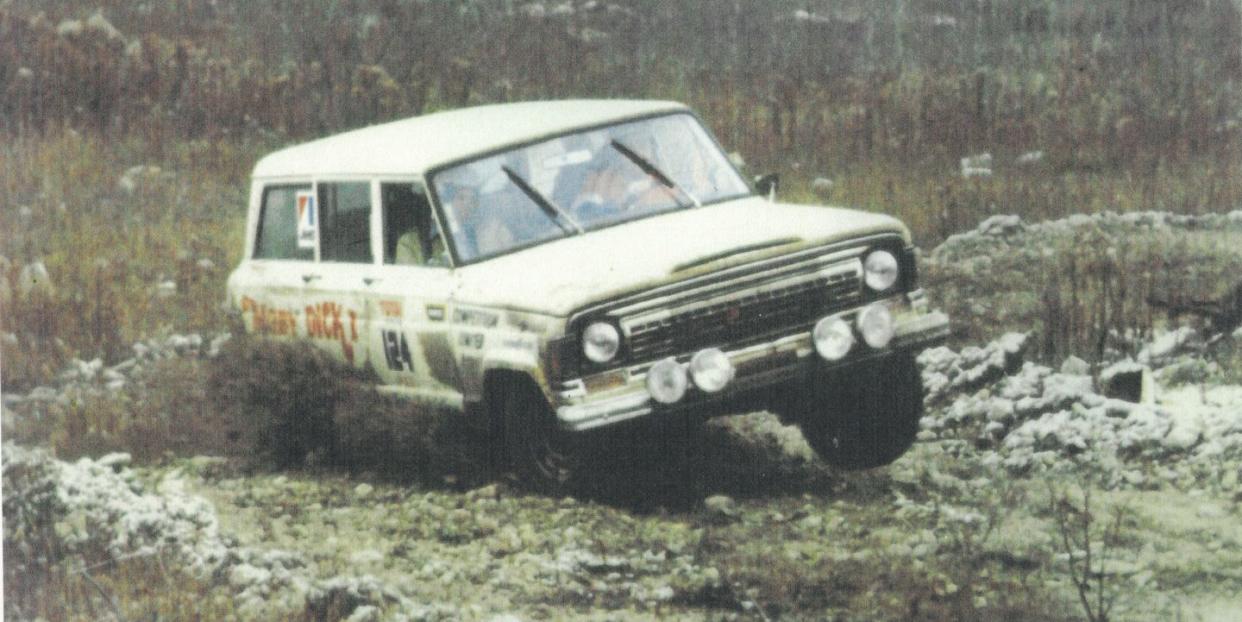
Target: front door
point(409, 299)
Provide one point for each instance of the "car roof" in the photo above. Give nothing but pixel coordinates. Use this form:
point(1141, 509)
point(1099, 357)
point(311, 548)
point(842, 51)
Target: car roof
point(416, 144)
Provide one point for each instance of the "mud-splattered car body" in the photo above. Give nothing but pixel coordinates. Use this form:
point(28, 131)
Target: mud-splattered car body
point(553, 267)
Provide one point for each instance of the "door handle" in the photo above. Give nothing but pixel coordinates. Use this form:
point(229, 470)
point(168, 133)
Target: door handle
point(307, 278)
point(370, 280)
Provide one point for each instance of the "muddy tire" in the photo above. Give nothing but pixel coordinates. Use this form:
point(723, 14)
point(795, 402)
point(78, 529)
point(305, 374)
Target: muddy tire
point(866, 418)
point(543, 457)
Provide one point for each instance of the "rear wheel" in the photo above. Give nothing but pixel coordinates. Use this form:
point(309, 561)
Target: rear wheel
point(542, 456)
point(866, 418)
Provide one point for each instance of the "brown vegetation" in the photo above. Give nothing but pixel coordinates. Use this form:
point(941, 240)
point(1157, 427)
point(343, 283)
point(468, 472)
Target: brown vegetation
point(129, 129)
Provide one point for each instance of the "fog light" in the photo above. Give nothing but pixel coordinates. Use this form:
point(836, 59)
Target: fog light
point(711, 370)
point(666, 381)
point(833, 338)
point(876, 325)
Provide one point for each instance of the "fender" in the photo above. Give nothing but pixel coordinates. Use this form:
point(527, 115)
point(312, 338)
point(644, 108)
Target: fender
point(517, 352)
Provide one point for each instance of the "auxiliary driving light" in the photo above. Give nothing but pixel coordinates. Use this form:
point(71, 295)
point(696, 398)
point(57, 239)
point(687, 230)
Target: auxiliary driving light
point(711, 370)
point(876, 325)
point(666, 381)
point(833, 338)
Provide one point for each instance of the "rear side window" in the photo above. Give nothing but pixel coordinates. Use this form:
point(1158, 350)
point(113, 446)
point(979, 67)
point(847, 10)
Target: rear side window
point(346, 233)
point(277, 237)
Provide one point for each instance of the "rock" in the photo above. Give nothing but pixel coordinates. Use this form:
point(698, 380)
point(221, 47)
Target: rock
point(365, 613)
point(505, 617)
point(1000, 225)
point(1075, 366)
point(366, 556)
point(1211, 510)
point(812, 522)
point(1129, 381)
point(507, 541)
point(721, 507)
point(979, 165)
point(1029, 158)
point(135, 176)
point(822, 187)
point(115, 461)
point(491, 491)
point(33, 278)
point(1183, 435)
point(663, 594)
point(100, 24)
point(1168, 346)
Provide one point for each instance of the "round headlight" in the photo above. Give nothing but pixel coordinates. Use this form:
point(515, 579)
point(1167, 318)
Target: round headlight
point(833, 338)
point(711, 370)
point(666, 381)
point(876, 325)
point(600, 342)
point(880, 268)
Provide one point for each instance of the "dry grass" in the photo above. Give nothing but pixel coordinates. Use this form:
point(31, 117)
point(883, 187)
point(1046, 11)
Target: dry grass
point(107, 249)
point(164, 412)
point(1133, 105)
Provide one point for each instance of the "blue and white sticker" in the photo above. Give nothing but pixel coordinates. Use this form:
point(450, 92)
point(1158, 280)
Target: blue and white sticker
point(307, 219)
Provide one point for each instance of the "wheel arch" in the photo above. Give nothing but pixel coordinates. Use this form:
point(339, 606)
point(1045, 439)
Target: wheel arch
point(496, 381)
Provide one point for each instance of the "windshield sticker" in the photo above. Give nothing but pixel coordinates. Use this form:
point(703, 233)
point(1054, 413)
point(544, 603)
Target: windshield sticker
point(568, 158)
point(307, 222)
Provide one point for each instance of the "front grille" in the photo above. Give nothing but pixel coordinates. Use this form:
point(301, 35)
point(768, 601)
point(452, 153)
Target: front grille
point(736, 318)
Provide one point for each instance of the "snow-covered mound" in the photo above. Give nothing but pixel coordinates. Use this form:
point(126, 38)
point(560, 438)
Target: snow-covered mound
point(1033, 417)
point(91, 508)
point(1004, 235)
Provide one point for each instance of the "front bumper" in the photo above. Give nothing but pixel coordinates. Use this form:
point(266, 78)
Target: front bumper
point(619, 395)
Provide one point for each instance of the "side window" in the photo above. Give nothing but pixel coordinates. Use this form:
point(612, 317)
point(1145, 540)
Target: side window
point(410, 234)
point(277, 237)
point(346, 222)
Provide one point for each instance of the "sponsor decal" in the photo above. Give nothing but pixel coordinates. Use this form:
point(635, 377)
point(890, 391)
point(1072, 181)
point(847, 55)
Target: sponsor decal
point(307, 218)
point(397, 350)
point(390, 308)
point(475, 318)
point(267, 320)
point(519, 343)
point(470, 340)
point(324, 321)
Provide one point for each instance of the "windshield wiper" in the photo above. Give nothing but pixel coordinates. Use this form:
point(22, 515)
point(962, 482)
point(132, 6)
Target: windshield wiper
point(650, 169)
point(545, 205)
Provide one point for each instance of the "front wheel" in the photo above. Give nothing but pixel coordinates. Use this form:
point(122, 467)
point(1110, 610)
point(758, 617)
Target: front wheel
point(867, 417)
point(543, 457)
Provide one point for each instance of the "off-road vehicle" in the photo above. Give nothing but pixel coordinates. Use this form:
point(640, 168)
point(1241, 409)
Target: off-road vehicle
point(549, 268)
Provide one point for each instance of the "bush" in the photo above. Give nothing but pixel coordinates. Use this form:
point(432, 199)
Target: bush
point(289, 391)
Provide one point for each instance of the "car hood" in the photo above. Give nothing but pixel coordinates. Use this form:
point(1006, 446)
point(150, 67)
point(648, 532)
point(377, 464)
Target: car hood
point(560, 276)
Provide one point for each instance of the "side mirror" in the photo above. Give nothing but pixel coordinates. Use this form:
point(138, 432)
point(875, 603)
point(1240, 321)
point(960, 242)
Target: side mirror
point(766, 184)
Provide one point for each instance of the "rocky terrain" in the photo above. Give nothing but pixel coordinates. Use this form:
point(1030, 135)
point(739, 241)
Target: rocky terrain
point(1015, 461)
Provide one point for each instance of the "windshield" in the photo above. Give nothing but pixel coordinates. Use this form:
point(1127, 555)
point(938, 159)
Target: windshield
point(582, 181)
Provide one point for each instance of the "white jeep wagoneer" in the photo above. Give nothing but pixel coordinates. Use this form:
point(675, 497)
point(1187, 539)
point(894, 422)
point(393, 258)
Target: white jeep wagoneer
point(553, 267)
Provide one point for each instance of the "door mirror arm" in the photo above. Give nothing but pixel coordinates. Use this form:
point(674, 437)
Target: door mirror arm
point(766, 184)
